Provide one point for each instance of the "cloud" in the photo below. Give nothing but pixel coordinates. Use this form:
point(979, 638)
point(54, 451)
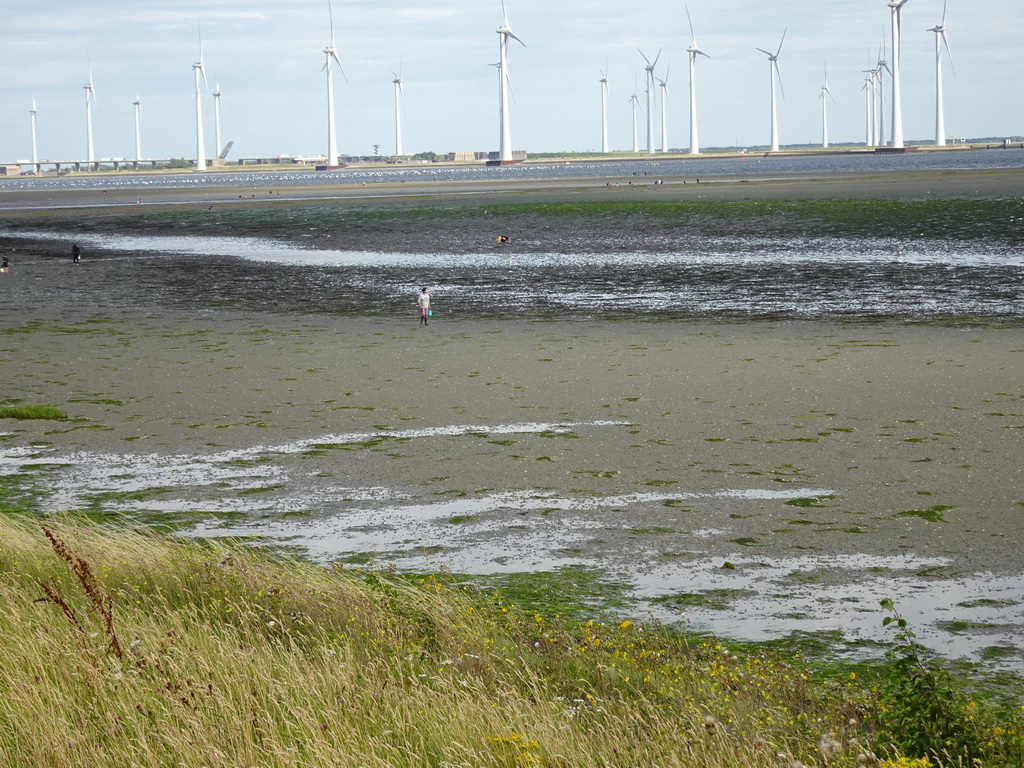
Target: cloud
point(425, 14)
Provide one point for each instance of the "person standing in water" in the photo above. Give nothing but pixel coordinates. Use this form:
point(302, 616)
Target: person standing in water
point(76, 254)
point(423, 302)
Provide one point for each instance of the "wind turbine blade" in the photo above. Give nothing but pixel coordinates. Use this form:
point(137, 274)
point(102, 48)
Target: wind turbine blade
point(656, 59)
point(334, 56)
point(645, 57)
point(949, 53)
point(782, 41)
point(778, 74)
point(762, 50)
point(330, 16)
point(944, 13)
point(693, 37)
point(509, 33)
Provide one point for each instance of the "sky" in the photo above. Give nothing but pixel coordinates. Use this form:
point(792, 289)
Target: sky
point(267, 57)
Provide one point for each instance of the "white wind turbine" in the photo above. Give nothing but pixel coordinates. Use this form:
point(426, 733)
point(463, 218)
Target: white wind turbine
point(199, 69)
point(649, 90)
point(694, 52)
point(826, 94)
point(138, 127)
point(773, 65)
point(331, 55)
point(869, 105)
point(940, 40)
point(505, 132)
point(881, 66)
point(399, 106)
point(217, 146)
point(634, 103)
point(897, 102)
point(604, 108)
point(663, 84)
point(90, 99)
point(32, 119)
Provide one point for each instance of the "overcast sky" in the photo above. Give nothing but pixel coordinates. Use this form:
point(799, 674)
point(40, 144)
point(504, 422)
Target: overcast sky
point(268, 56)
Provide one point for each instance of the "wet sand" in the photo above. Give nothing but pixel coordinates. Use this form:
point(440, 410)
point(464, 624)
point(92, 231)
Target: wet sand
point(881, 458)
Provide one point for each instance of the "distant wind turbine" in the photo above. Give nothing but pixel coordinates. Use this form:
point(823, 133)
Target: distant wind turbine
point(694, 52)
point(881, 66)
point(199, 69)
point(138, 127)
point(90, 99)
point(32, 120)
point(826, 94)
point(940, 40)
point(331, 55)
point(399, 106)
point(505, 133)
point(773, 65)
point(897, 101)
point(604, 108)
point(217, 146)
point(664, 112)
point(869, 105)
point(649, 91)
point(634, 102)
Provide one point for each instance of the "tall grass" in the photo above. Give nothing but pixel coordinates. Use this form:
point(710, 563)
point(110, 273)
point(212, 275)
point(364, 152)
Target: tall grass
point(48, 412)
point(122, 648)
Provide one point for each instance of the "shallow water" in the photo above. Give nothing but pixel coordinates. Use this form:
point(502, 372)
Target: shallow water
point(672, 275)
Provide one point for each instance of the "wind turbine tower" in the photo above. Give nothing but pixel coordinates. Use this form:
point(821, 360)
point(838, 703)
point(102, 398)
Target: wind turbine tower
point(331, 55)
point(90, 99)
point(897, 102)
point(664, 113)
point(505, 133)
point(634, 102)
point(773, 66)
point(399, 104)
point(604, 108)
point(649, 90)
point(940, 40)
point(694, 52)
point(199, 69)
point(826, 94)
point(869, 106)
point(32, 119)
point(138, 127)
point(217, 146)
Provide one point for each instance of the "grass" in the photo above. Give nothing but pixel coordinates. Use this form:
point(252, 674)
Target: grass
point(128, 648)
point(42, 412)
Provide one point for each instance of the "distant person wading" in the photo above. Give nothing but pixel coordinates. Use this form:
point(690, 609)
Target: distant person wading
point(423, 302)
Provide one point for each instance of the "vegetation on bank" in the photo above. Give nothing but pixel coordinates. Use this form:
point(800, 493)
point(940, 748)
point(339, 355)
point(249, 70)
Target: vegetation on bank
point(128, 648)
point(26, 412)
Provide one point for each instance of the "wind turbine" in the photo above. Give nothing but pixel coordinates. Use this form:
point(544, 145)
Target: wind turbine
point(874, 121)
point(90, 99)
point(880, 66)
point(331, 54)
point(826, 94)
point(897, 101)
point(649, 90)
point(198, 68)
point(664, 112)
point(505, 132)
point(634, 102)
point(399, 106)
point(32, 119)
point(217, 146)
point(604, 108)
point(773, 65)
point(138, 123)
point(869, 105)
point(694, 52)
point(940, 40)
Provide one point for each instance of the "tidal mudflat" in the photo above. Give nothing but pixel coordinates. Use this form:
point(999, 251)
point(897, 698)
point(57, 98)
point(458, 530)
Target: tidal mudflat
point(775, 468)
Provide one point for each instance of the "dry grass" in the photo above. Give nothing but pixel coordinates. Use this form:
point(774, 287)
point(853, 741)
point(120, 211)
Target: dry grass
point(127, 649)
